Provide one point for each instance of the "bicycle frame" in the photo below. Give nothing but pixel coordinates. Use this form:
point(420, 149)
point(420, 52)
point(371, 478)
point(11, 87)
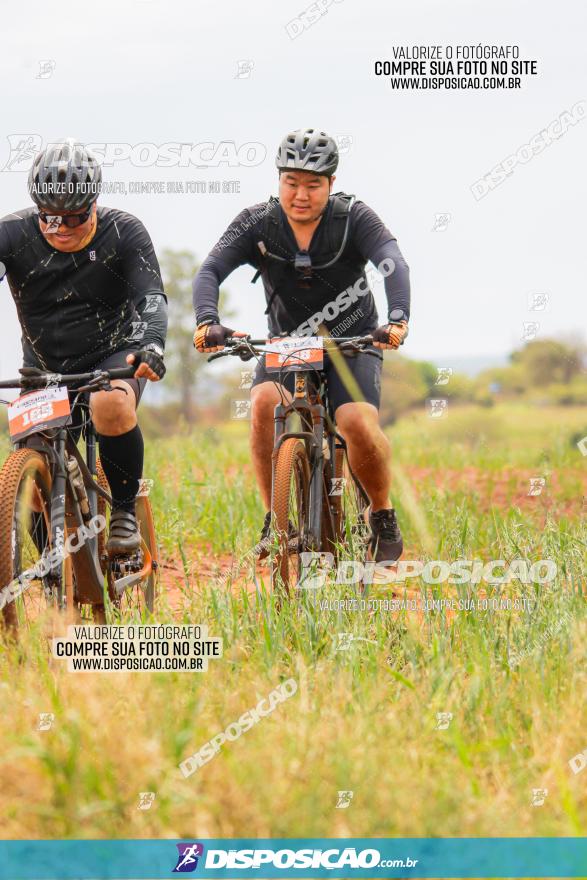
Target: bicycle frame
point(66, 511)
point(318, 416)
point(65, 508)
point(317, 419)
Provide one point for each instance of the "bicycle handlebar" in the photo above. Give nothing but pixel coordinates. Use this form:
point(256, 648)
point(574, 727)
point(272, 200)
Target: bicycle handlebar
point(243, 345)
point(46, 380)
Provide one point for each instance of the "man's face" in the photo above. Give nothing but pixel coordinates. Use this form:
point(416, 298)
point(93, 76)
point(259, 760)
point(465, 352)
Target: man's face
point(63, 238)
point(303, 195)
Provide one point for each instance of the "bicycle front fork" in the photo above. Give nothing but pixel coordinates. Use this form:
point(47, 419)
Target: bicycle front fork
point(58, 493)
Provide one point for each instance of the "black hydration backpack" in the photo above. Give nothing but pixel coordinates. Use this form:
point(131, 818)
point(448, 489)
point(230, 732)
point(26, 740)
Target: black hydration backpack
point(275, 249)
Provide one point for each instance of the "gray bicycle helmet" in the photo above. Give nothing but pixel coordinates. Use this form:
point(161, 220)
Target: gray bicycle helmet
point(308, 149)
point(65, 177)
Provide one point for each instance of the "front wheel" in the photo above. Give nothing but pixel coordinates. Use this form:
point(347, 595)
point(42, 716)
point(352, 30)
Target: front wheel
point(290, 511)
point(28, 590)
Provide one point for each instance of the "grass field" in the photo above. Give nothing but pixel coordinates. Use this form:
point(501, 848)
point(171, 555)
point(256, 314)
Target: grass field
point(363, 719)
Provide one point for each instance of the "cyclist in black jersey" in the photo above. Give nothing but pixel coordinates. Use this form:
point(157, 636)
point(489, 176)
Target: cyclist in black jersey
point(89, 295)
point(310, 248)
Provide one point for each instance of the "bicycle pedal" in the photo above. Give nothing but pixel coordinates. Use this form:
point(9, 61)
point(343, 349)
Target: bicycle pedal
point(126, 571)
point(124, 565)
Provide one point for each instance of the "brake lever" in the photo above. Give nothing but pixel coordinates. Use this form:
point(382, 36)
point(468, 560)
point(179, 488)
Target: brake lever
point(244, 351)
point(351, 346)
point(101, 385)
point(90, 387)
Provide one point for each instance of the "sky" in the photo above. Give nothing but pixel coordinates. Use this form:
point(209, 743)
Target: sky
point(154, 72)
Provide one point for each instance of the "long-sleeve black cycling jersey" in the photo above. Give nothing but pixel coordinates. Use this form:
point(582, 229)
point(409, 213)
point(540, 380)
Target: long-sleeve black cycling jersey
point(76, 309)
point(291, 307)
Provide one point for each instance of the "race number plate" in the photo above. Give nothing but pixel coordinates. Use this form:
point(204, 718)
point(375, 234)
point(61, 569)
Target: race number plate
point(38, 410)
point(295, 353)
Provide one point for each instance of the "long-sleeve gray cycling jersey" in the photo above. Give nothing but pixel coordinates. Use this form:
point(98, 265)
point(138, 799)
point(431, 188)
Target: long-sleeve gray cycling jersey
point(337, 296)
point(76, 309)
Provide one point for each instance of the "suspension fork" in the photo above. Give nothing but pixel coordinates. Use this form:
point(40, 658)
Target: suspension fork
point(58, 493)
point(280, 415)
point(317, 478)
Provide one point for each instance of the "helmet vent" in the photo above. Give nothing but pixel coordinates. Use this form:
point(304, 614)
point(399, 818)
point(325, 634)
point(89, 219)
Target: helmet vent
point(68, 163)
point(308, 149)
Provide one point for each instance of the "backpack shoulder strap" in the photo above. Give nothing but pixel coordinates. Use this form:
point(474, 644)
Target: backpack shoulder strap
point(268, 231)
point(338, 228)
point(270, 222)
point(342, 203)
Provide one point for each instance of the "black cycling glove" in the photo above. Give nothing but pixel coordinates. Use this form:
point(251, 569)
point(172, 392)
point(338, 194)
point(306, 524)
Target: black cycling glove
point(30, 378)
point(152, 359)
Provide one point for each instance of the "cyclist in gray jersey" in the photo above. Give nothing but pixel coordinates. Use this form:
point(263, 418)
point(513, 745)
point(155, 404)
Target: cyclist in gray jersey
point(310, 248)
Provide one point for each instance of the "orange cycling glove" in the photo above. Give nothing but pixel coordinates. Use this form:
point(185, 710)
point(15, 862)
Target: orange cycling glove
point(211, 337)
point(391, 335)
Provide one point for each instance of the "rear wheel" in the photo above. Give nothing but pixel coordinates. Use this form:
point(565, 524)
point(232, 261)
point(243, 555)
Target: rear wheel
point(330, 522)
point(146, 522)
point(290, 508)
point(139, 598)
point(349, 506)
point(25, 541)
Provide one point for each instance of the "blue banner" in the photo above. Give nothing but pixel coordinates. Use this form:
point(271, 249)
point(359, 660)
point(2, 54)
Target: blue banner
point(296, 857)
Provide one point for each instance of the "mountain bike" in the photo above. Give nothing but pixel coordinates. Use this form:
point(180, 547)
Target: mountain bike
point(54, 509)
point(318, 504)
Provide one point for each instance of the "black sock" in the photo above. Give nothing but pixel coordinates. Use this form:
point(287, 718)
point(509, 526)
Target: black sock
point(122, 460)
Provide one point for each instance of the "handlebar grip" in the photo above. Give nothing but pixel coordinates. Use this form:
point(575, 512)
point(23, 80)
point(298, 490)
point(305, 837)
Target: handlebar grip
point(122, 372)
point(236, 340)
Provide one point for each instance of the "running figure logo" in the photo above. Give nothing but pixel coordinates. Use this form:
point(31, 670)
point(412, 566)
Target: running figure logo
point(187, 860)
point(23, 149)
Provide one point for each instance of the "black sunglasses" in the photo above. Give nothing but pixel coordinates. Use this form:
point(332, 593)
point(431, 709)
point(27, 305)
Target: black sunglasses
point(69, 220)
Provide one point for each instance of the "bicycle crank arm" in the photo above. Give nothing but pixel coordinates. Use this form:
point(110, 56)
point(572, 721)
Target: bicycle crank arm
point(127, 581)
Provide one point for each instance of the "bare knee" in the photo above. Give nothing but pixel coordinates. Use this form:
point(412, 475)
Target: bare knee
point(114, 412)
point(264, 399)
point(358, 422)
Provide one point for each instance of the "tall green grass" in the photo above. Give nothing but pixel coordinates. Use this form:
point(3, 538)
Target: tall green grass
point(363, 719)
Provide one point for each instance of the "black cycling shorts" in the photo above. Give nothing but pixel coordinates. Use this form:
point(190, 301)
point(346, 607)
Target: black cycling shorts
point(365, 369)
point(118, 359)
point(81, 412)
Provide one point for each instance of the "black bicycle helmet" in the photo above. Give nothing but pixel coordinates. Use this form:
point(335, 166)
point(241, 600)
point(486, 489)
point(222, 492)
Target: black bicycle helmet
point(65, 177)
point(308, 149)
